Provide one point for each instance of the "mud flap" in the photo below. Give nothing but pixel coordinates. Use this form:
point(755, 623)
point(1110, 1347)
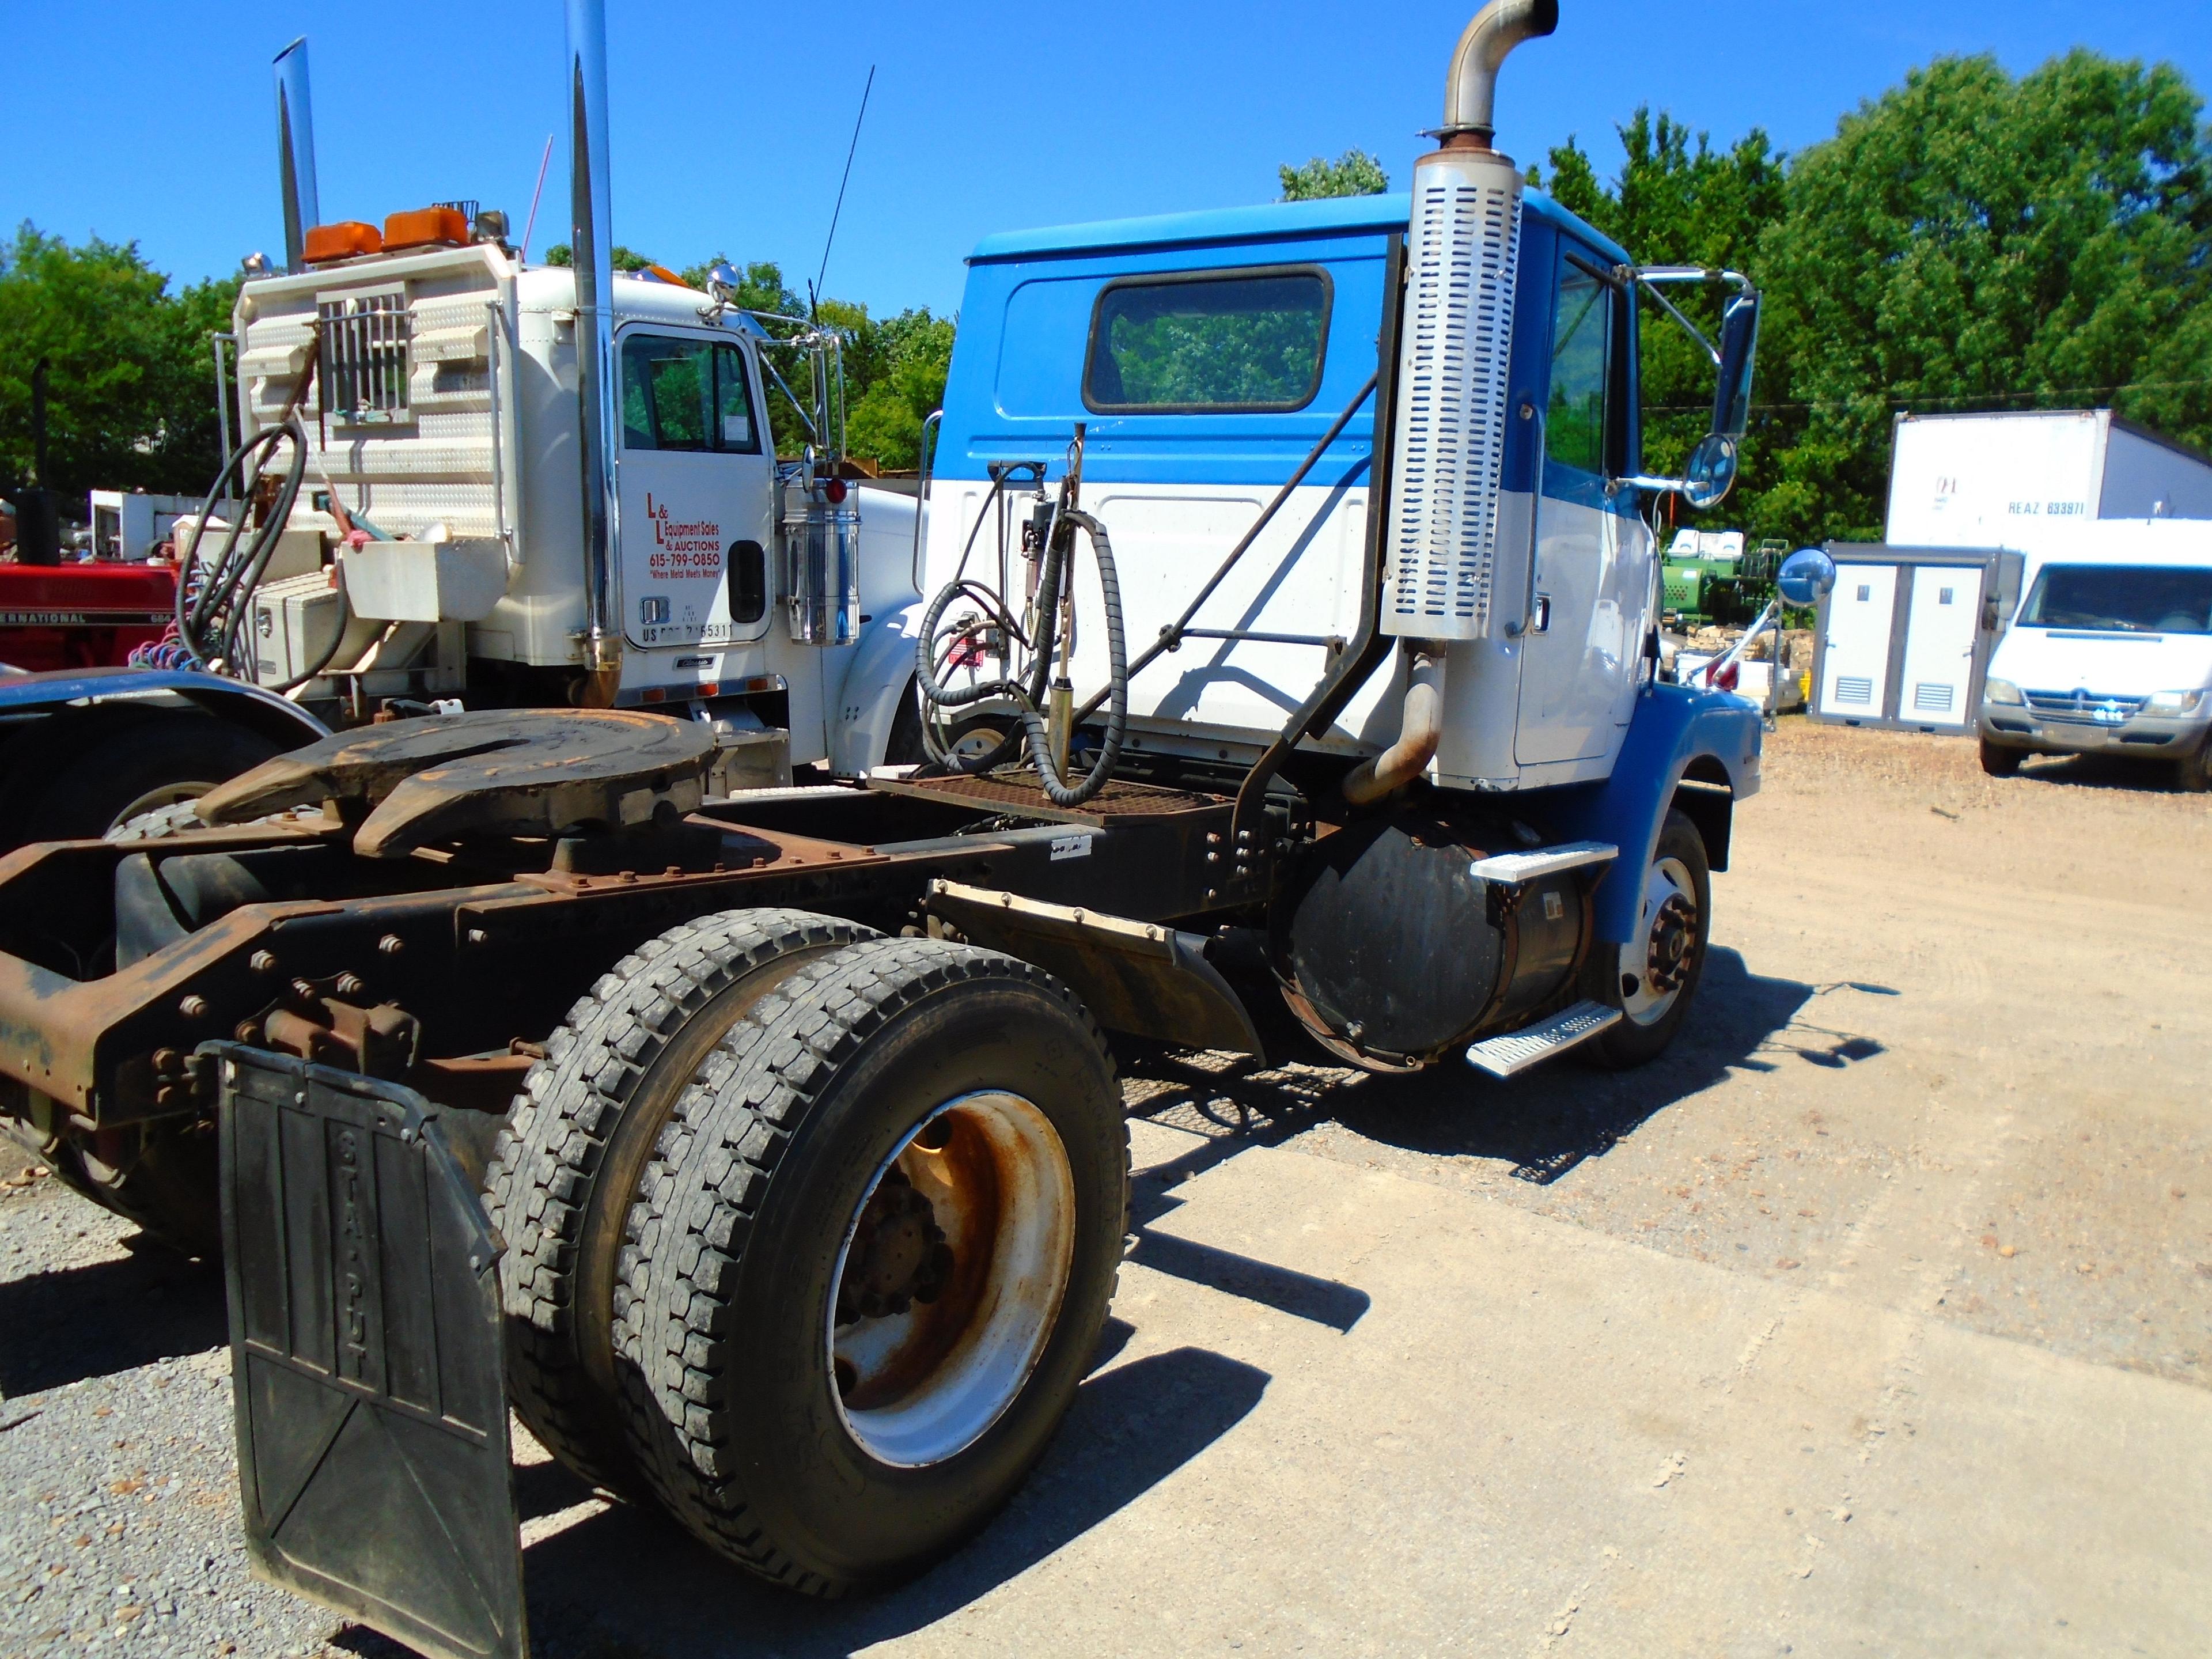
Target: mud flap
point(366, 1364)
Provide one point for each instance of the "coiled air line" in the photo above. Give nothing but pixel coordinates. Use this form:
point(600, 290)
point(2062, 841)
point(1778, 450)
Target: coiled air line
point(213, 608)
point(1050, 638)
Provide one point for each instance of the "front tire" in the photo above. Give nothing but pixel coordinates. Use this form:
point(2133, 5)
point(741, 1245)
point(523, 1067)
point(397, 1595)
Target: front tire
point(870, 1262)
point(1654, 979)
point(1998, 761)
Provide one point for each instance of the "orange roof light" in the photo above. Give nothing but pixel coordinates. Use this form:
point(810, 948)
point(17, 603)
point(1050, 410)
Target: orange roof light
point(346, 240)
point(429, 226)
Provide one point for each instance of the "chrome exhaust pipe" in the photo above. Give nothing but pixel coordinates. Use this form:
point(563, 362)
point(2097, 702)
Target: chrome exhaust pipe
point(1471, 90)
point(591, 240)
point(295, 153)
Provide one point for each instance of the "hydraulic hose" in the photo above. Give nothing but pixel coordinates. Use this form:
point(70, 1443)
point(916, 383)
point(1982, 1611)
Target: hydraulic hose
point(213, 614)
point(211, 623)
point(1028, 692)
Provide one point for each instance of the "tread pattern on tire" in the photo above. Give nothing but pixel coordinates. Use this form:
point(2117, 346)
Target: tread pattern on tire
point(706, 1181)
point(544, 1166)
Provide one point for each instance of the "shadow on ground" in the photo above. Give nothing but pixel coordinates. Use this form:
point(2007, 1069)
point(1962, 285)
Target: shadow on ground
point(63, 1327)
point(627, 1583)
point(2145, 777)
point(1540, 1125)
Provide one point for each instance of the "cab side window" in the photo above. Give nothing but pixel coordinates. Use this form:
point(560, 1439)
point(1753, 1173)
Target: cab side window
point(1576, 419)
point(680, 394)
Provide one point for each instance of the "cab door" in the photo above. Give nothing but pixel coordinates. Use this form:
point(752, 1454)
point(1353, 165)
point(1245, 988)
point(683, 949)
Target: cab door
point(697, 485)
point(1590, 560)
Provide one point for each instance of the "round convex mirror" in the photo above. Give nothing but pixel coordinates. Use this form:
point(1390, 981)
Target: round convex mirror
point(1805, 577)
point(1712, 472)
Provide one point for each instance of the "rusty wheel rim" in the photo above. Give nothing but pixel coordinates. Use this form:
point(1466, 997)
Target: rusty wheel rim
point(950, 1279)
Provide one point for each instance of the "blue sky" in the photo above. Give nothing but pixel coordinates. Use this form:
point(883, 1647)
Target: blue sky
point(154, 121)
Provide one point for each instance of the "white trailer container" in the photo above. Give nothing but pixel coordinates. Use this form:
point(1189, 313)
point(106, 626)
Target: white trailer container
point(1983, 481)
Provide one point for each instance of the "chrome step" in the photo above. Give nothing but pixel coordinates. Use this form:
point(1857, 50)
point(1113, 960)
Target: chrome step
point(1512, 868)
point(1516, 1051)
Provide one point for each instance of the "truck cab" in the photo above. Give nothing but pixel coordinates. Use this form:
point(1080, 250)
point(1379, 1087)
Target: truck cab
point(438, 387)
point(2111, 651)
point(1206, 354)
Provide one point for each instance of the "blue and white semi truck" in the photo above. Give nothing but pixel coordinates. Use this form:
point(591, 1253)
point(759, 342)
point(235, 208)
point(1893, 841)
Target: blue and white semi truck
point(1279, 640)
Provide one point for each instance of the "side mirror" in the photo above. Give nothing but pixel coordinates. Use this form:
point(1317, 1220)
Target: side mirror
point(1806, 577)
point(722, 284)
point(1739, 348)
point(1710, 471)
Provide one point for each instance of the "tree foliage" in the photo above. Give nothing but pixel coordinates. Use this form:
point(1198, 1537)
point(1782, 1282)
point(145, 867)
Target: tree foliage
point(1968, 241)
point(1355, 172)
point(132, 397)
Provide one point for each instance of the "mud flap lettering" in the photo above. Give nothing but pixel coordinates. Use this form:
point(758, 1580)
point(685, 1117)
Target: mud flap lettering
point(365, 1365)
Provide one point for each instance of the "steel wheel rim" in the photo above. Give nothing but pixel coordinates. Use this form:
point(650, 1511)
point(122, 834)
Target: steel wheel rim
point(1666, 951)
point(165, 794)
point(917, 1385)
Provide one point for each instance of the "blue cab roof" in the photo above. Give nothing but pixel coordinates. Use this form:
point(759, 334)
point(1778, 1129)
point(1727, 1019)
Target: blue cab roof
point(1269, 222)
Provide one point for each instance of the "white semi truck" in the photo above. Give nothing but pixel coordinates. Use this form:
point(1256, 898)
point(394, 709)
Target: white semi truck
point(1287, 676)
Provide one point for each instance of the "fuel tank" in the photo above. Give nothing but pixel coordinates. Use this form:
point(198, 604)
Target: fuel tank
point(1392, 951)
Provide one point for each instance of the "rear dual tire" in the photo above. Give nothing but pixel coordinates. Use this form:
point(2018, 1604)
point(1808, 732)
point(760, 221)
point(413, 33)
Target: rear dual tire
point(567, 1161)
point(782, 1403)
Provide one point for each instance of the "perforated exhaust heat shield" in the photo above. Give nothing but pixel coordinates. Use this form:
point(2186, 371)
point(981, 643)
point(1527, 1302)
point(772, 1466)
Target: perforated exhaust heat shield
point(1448, 461)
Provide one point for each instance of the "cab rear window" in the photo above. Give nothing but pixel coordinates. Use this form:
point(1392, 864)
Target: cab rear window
point(1218, 343)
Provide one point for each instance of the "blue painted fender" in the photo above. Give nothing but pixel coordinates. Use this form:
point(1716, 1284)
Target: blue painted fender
point(1676, 732)
point(284, 722)
point(867, 704)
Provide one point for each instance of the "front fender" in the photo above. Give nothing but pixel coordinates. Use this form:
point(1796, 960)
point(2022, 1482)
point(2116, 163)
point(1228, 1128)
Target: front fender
point(1675, 731)
point(867, 704)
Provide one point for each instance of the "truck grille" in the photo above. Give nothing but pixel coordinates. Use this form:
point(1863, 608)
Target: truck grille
point(364, 355)
point(2083, 707)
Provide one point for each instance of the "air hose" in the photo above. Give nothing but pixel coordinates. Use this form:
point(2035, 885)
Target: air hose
point(213, 622)
point(1027, 691)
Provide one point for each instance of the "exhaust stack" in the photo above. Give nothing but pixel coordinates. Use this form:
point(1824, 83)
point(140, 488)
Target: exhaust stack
point(295, 153)
point(1463, 247)
point(1471, 93)
point(592, 239)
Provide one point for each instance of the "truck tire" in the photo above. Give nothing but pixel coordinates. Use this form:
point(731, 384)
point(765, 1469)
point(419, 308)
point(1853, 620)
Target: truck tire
point(567, 1161)
point(2194, 772)
point(882, 1095)
point(1654, 978)
point(2000, 762)
point(84, 772)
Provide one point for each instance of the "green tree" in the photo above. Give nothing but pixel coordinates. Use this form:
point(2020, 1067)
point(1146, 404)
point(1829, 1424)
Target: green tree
point(622, 258)
point(914, 351)
point(1679, 200)
point(132, 400)
point(1974, 242)
point(1355, 172)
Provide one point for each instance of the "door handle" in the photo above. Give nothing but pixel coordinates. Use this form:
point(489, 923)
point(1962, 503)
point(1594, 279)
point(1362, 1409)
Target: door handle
point(1539, 614)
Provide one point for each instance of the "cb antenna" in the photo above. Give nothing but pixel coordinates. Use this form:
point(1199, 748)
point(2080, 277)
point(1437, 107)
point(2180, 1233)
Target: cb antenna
point(841, 183)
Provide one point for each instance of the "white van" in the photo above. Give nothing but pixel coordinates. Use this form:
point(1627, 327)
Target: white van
point(2111, 651)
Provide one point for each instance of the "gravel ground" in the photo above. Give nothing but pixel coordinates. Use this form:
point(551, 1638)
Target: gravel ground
point(119, 1526)
point(1949, 1056)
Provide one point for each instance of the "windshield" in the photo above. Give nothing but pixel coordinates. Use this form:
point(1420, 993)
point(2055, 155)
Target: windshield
point(2121, 599)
